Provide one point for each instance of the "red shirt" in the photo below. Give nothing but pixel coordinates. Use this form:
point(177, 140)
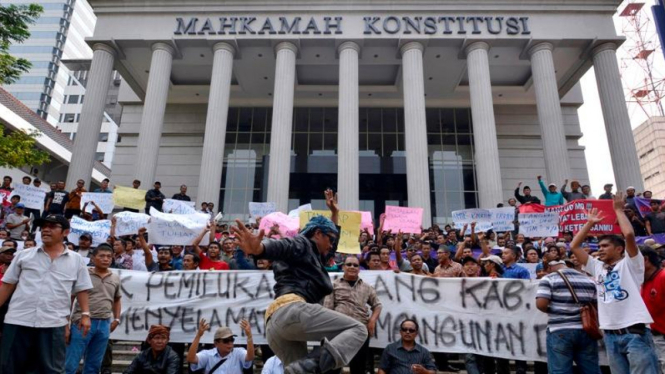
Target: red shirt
point(653, 294)
point(207, 264)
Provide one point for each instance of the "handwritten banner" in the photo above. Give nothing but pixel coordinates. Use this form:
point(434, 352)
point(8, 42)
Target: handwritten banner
point(176, 229)
point(103, 200)
point(489, 317)
point(100, 230)
point(32, 197)
point(573, 216)
point(348, 221)
point(503, 219)
point(539, 225)
point(129, 223)
point(178, 207)
point(288, 226)
point(497, 219)
point(129, 197)
point(409, 220)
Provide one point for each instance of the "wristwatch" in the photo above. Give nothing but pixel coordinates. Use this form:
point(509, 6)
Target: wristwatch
point(87, 314)
point(116, 320)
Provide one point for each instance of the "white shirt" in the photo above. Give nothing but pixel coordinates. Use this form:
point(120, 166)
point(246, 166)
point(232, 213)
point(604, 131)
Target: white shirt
point(138, 259)
point(273, 366)
point(234, 364)
point(620, 304)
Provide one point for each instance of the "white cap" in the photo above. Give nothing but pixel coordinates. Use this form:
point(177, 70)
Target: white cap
point(551, 184)
point(630, 188)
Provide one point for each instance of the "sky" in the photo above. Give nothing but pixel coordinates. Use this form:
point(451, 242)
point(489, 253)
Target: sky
point(590, 113)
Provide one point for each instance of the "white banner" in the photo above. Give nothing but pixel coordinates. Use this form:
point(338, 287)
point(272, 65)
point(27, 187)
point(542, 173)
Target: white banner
point(100, 230)
point(178, 207)
point(491, 317)
point(497, 219)
point(261, 209)
point(32, 197)
point(129, 223)
point(176, 229)
point(539, 225)
point(503, 219)
point(103, 200)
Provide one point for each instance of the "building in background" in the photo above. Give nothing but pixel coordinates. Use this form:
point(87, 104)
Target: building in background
point(650, 143)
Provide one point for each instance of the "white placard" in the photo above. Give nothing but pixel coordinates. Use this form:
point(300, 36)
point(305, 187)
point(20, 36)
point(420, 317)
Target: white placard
point(32, 197)
point(261, 209)
point(178, 207)
point(176, 229)
point(302, 208)
point(100, 230)
point(103, 200)
point(539, 225)
point(129, 223)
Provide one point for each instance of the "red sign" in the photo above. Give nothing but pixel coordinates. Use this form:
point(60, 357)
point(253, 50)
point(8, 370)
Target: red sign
point(573, 216)
point(531, 208)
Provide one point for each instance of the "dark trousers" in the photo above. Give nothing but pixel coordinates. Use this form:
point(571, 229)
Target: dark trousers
point(107, 362)
point(26, 349)
point(358, 364)
point(69, 213)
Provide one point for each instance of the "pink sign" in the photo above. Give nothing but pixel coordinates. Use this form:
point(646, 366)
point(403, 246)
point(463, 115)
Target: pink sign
point(409, 220)
point(289, 226)
point(366, 221)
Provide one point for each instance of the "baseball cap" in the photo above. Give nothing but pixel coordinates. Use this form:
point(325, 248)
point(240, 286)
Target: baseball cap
point(20, 206)
point(556, 262)
point(551, 185)
point(7, 249)
point(53, 218)
point(494, 258)
point(223, 333)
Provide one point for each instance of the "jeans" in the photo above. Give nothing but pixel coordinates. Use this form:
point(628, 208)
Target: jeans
point(632, 353)
point(27, 349)
point(292, 326)
point(571, 345)
point(659, 342)
point(92, 347)
point(471, 363)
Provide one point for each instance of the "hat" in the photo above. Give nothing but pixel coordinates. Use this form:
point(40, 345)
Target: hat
point(556, 262)
point(494, 258)
point(551, 185)
point(86, 235)
point(7, 249)
point(469, 259)
point(630, 188)
point(561, 245)
point(223, 333)
point(19, 206)
point(53, 218)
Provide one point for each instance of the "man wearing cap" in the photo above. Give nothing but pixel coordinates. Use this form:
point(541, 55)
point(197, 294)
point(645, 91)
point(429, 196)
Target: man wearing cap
point(301, 283)
point(552, 196)
point(567, 342)
point(16, 222)
point(224, 358)
point(493, 266)
point(575, 193)
point(41, 283)
point(85, 243)
point(608, 195)
point(527, 198)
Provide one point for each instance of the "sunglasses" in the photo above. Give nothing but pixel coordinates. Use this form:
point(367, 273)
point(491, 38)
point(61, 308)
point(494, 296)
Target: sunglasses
point(353, 265)
point(332, 238)
point(410, 331)
point(225, 341)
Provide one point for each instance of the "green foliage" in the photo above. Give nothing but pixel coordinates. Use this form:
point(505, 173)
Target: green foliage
point(17, 149)
point(14, 22)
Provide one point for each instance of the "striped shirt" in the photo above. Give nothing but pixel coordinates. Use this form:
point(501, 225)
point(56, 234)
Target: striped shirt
point(563, 312)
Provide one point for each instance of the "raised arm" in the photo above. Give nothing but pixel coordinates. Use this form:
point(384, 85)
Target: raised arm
point(398, 248)
point(543, 188)
point(198, 239)
point(519, 197)
point(460, 251)
point(112, 232)
point(247, 241)
point(247, 329)
point(146, 248)
point(194, 347)
point(331, 202)
point(593, 217)
point(625, 225)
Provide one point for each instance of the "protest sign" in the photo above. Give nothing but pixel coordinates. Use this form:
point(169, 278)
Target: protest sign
point(531, 208)
point(4, 197)
point(573, 216)
point(489, 317)
point(100, 230)
point(129, 223)
point(348, 221)
point(176, 229)
point(644, 205)
point(103, 200)
point(466, 216)
point(539, 225)
point(129, 197)
point(288, 226)
point(178, 207)
point(32, 197)
point(261, 209)
point(497, 219)
point(503, 219)
point(409, 220)
point(295, 213)
point(366, 221)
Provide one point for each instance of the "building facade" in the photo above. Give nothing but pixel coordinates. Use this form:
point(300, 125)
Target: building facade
point(443, 105)
point(650, 143)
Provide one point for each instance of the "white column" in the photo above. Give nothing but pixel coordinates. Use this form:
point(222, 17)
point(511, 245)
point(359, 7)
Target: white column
point(348, 169)
point(282, 120)
point(92, 113)
point(210, 177)
point(415, 130)
point(617, 122)
point(552, 131)
point(486, 148)
point(154, 106)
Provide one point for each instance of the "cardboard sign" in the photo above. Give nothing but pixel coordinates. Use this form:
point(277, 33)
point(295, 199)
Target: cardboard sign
point(32, 197)
point(129, 197)
point(573, 216)
point(129, 223)
point(497, 219)
point(178, 207)
point(348, 221)
point(176, 229)
point(100, 230)
point(409, 220)
point(261, 209)
point(539, 225)
point(288, 226)
point(103, 200)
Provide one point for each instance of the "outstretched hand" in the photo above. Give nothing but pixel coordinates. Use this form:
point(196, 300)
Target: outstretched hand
point(249, 242)
point(619, 201)
point(331, 200)
point(595, 216)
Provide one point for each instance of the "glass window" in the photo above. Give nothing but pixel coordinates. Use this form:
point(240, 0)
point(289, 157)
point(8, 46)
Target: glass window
point(73, 99)
point(99, 156)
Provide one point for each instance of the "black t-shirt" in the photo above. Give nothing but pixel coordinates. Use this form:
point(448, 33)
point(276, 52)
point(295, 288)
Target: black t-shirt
point(657, 221)
point(58, 200)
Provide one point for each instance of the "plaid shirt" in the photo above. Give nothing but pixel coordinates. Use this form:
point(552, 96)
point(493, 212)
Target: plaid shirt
point(453, 270)
point(352, 301)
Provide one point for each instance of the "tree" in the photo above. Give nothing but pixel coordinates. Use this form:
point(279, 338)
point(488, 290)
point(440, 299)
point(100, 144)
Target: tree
point(17, 149)
point(14, 22)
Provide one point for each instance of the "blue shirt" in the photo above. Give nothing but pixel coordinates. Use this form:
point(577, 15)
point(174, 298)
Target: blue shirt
point(108, 190)
point(515, 272)
point(273, 366)
point(235, 361)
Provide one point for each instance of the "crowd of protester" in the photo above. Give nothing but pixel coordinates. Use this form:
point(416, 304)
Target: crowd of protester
point(633, 330)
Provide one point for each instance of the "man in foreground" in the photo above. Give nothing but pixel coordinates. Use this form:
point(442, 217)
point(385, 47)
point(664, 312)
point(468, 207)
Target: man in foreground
point(619, 273)
point(224, 358)
point(405, 356)
point(301, 282)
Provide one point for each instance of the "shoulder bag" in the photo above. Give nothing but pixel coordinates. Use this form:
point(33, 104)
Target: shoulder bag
point(588, 312)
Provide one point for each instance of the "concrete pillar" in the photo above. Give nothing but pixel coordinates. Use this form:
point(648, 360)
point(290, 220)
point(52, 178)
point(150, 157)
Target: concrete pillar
point(617, 122)
point(486, 148)
point(92, 113)
point(210, 177)
point(348, 169)
point(154, 106)
point(552, 131)
point(415, 130)
point(282, 120)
